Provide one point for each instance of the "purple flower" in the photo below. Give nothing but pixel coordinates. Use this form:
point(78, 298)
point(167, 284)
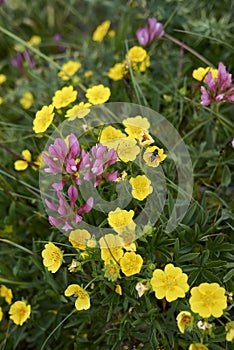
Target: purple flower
point(152, 30)
point(21, 58)
point(218, 89)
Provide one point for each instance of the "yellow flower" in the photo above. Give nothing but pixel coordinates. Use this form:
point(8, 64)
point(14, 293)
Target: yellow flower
point(200, 73)
point(88, 74)
point(120, 219)
point(69, 69)
point(131, 263)
point(153, 156)
point(37, 162)
point(141, 288)
point(140, 187)
point(112, 271)
point(98, 94)
point(83, 301)
point(230, 331)
point(116, 72)
point(111, 248)
point(52, 257)
point(111, 137)
point(127, 150)
point(78, 111)
point(43, 119)
point(111, 33)
point(101, 31)
point(64, 97)
point(19, 312)
point(79, 238)
point(6, 293)
point(184, 319)
point(1, 100)
point(145, 139)
point(135, 125)
point(170, 283)
point(3, 78)
point(34, 40)
point(197, 346)
point(1, 314)
point(208, 299)
point(27, 100)
point(118, 289)
point(138, 58)
point(21, 165)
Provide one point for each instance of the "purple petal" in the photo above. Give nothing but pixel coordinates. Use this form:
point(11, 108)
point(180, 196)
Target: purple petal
point(224, 78)
point(51, 205)
point(111, 157)
point(55, 221)
point(58, 186)
point(74, 146)
point(85, 161)
point(142, 36)
point(97, 167)
point(205, 97)
point(67, 227)
point(71, 166)
point(87, 207)
point(73, 195)
point(98, 151)
point(54, 167)
point(112, 176)
point(58, 149)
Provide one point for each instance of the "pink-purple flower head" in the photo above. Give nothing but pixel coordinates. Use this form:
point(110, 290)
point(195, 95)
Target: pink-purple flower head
point(150, 31)
point(218, 89)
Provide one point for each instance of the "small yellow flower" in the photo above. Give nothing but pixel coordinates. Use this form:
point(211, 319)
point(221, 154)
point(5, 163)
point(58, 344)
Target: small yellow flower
point(112, 271)
point(82, 301)
point(43, 119)
point(64, 97)
point(200, 73)
point(1, 100)
point(229, 331)
point(197, 346)
point(120, 219)
point(3, 78)
point(79, 238)
point(101, 31)
point(145, 139)
point(69, 69)
point(184, 319)
point(208, 299)
point(19, 312)
point(131, 263)
point(98, 94)
point(21, 165)
point(138, 58)
point(27, 100)
point(78, 111)
point(153, 156)
point(37, 162)
point(1, 314)
point(135, 125)
point(111, 33)
point(140, 187)
point(127, 150)
point(170, 283)
point(118, 289)
point(111, 137)
point(88, 74)
point(116, 72)
point(111, 249)
point(34, 40)
point(6, 293)
point(52, 257)
point(141, 288)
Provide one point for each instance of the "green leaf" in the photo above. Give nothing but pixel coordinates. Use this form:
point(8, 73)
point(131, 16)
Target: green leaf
point(187, 257)
point(226, 177)
point(228, 276)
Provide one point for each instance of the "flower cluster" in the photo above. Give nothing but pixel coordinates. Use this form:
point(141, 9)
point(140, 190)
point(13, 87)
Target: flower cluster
point(149, 32)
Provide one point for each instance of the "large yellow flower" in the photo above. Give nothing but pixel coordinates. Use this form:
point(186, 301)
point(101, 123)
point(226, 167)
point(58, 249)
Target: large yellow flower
point(69, 69)
point(111, 137)
point(78, 111)
point(6, 293)
point(98, 94)
point(64, 97)
point(184, 319)
point(200, 73)
point(135, 125)
point(198, 346)
point(43, 119)
point(153, 156)
point(127, 150)
point(111, 248)
point(141, 187)
point(82, 301)
point(208, 299)
point(79, 238)
point(101, 31)
point(230, 331)
point(120, 220)
point(52, 257)
point(131, 263)
point(19, 312)
point(27, 100)
point(116, 72)
point(21, 165)
point(170, 283)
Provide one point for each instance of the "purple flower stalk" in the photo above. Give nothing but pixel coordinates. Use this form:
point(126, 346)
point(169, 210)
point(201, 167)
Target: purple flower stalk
point(152, 30)
point(218, 89)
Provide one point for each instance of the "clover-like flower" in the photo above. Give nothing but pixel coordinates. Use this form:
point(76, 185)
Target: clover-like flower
point(82, 301)
point(152, 30)
point(170, 283)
